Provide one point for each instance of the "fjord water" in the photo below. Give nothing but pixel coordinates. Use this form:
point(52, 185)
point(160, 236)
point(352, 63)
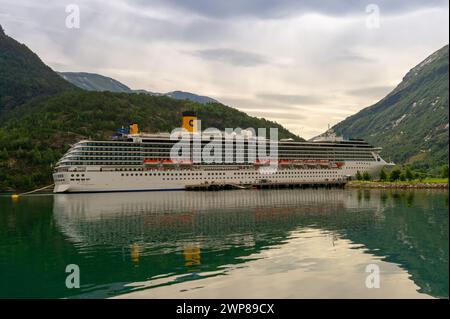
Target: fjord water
point(231, 244)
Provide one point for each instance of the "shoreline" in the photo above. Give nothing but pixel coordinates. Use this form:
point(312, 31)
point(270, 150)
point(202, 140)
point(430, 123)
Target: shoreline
point(397, 185)
point(349, 185)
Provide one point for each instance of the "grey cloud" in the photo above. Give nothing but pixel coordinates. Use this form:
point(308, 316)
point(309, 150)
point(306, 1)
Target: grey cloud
point(255, 106)
point(233, 57)
point(281, 8)
point(352, 58)
point(371, 91)
point(349, 56)
point(291, 98)
point(280, 116)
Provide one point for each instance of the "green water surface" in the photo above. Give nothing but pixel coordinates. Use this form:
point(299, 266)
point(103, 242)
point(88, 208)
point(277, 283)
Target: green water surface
point(230, 244)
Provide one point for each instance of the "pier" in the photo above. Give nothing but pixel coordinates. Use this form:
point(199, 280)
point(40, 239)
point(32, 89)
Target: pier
point(230, 186)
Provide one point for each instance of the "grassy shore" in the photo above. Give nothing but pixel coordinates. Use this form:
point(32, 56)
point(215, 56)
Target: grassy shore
point(425, 183)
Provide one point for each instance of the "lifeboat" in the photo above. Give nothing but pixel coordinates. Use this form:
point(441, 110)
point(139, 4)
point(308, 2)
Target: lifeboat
point(260, 162)
point(168, 162)
point(324, 163)
point(151, 162)
point(317, 162)
point(269, 162)
point(298, 163)
point(339, 164)
point(183, 162)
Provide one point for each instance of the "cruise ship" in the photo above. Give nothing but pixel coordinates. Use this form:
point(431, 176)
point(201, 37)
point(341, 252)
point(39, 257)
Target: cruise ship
point(135, 161)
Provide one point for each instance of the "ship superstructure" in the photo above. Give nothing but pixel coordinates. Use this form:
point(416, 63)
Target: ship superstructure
point(134, 161)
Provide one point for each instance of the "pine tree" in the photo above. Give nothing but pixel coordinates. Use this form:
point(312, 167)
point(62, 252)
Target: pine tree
point(408, 174)
point(366, 176)
point(383, 175)
point(358, 176)
point(395, 175)
point(444, 171)
point(4, 154)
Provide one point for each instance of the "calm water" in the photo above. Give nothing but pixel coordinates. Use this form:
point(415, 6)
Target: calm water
point(230, 244)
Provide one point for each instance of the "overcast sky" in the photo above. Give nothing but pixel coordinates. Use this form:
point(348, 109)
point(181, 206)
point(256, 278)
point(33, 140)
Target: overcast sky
point(302, 63)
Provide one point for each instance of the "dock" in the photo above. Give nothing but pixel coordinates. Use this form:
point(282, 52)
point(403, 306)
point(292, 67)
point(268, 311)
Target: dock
point(230, 186)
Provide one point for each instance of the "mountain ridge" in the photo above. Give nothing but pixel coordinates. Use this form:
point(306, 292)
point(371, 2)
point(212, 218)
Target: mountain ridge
point(97, 82)
point(94, 82)
point(411, 122)
point(24, 76)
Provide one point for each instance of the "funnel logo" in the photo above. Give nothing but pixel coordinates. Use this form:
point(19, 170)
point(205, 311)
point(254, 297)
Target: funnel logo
point(189, 121)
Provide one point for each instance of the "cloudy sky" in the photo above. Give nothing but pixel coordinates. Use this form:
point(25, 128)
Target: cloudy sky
point(302, 63)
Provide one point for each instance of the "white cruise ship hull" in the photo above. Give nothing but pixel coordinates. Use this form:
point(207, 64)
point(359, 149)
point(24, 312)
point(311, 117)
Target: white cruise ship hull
point(89, 180)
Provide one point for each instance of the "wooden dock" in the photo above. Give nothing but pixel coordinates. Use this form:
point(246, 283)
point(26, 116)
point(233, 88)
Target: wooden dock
point(229, 186)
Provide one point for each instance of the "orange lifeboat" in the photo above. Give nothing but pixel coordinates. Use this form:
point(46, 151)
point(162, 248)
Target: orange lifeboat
point(260, 162)
point(339, 164)
point(168, 162)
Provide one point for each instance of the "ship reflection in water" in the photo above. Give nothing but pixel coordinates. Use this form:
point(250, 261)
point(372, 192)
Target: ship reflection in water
point(276, 243)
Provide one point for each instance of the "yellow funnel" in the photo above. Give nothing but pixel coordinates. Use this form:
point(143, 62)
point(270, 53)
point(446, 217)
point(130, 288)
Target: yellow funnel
point(134, 129)
point(135, 255)
point(189, 121)
point(191, 256)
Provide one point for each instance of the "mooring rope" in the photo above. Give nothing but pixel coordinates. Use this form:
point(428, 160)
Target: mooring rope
point(30, 192)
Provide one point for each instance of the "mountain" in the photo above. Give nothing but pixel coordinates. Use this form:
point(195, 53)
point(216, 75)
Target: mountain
point(23, 75)
point(411, 122)
point(180, 95)
point(97, 82)
point(94, 82)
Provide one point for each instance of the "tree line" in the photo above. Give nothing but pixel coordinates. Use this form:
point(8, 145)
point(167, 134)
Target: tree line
point(401, 174)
